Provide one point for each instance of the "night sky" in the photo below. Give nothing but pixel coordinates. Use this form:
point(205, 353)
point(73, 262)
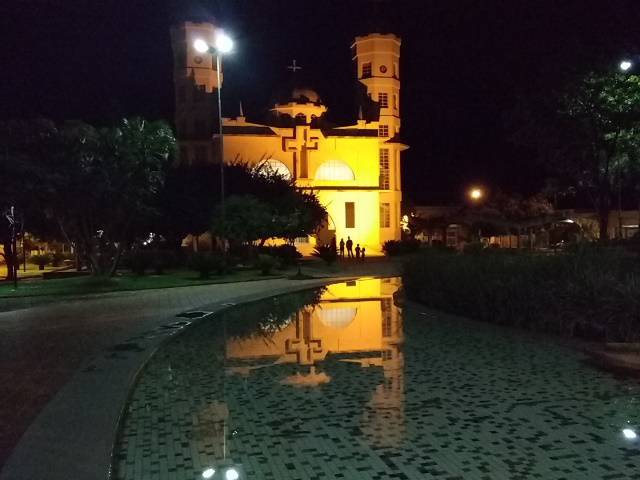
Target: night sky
point(463, 66)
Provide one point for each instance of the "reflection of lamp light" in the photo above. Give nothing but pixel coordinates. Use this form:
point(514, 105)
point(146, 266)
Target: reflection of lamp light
point(339, 317)
point(232, 474)
point(208, 473)
point(629, 434)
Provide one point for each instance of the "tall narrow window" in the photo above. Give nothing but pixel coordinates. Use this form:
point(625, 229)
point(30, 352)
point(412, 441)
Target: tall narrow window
point(385, 215)
point(304, 162)
point(383, 131)
point(395, 101)
point(366, 70)
point(384, 168)
point(383, 99)
point(395, 70)
point(385, 306)
point(350, 215)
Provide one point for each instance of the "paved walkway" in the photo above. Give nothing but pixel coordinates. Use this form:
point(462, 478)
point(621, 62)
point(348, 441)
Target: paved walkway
point(41, 348)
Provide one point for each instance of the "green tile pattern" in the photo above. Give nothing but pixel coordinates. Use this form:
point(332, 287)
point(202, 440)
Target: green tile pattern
point(471, 401)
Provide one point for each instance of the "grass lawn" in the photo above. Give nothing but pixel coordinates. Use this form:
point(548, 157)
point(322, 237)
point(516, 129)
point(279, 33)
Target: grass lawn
point(88, 285)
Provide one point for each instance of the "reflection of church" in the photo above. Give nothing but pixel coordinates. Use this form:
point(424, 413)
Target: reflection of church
point(354, 169)
point(355, 322)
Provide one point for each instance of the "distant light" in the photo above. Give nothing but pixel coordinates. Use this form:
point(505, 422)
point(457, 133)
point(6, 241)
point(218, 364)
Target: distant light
point(475, 194)
point(201, 46)
point(232, 474)
point(224, 44)
point(208, 473)
point(625, 65)
point(629, 434)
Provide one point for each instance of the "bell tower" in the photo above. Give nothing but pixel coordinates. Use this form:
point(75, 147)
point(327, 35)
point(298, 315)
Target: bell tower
point(377, 60)
point(195, 82)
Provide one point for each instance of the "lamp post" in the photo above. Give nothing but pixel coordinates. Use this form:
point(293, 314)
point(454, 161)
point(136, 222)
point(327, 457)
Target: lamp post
point(223, 44)
point(476, 194)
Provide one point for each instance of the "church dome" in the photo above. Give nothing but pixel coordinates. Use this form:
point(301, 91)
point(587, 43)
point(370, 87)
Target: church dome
point(305, 95)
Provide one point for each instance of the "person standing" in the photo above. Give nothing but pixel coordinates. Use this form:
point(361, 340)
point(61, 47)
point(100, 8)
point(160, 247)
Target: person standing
point(342, 247)
point(362, 253)
point(358, 252)
point(349, 246)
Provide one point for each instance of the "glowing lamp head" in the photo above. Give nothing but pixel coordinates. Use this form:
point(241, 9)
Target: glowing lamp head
point(224, 44)
point(208, 473)
point(625, 65)
point(232, 474)
point(200, 46)
point(475, 194)
point(629, 434)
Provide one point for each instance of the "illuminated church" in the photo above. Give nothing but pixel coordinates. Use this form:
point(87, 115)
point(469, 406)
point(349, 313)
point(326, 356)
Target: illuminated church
point(353, 169)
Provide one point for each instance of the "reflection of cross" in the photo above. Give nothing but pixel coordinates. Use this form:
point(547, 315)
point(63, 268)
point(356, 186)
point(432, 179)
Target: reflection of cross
point(304, 346)
point(294, 67)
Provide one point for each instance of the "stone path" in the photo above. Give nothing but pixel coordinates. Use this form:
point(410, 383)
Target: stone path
point(41, 348)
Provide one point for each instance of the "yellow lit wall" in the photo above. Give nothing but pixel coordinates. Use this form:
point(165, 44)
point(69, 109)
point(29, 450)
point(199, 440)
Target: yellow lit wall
point(303, 148)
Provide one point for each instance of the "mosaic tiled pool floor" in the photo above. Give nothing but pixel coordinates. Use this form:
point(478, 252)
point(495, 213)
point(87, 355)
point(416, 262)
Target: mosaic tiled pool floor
point(353, 388)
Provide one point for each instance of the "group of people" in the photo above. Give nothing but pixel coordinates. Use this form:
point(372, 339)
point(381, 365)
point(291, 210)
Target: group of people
point(360, 251)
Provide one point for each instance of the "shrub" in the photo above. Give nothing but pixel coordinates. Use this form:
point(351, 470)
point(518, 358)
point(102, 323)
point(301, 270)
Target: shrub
point(206, 262)
point(139, 261)
point(593, 293)
point(400, 247)
point(328, 253)
point(287, 254)
point(58, 258)
point(266, 263)
point(40, 260)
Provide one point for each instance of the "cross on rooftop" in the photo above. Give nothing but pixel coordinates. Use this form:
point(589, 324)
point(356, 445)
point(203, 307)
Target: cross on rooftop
point(294, 67)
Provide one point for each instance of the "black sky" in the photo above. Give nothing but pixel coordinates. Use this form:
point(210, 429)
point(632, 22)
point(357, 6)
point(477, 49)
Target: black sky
point(464, 63)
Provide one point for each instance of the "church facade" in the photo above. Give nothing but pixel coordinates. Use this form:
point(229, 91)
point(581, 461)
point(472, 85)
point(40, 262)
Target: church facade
point(354, 169)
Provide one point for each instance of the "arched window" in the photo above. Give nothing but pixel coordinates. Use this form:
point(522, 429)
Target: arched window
point(275, 166)
point(334, 170)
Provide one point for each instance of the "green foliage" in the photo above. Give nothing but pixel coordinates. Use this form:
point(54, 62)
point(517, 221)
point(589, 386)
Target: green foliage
point(393, 248)
point(328, 253)
point(140, 261)
point(590, 136)
point(206, 263)
point(58, 258)
point(593, 293)
point(269, 316)
point(266, 263)
point(287, 254)
point(40, 260)
point(244, 219)
point(97, 186)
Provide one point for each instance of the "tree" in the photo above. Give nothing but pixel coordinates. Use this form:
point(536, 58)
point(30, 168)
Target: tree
point(590, 136)
point(98, 186)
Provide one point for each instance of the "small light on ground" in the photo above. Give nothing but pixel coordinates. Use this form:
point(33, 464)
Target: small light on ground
point(208, 473)
point(625, 65)
point(232, 474)
point(629, 434)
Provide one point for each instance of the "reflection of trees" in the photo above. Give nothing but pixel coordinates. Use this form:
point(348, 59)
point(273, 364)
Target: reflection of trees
point(266, 317)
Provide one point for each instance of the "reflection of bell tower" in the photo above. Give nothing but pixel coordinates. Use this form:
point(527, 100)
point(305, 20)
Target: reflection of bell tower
point(384, 421)
point(194, 76)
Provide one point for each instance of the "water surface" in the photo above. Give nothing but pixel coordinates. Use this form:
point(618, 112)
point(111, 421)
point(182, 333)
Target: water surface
point(341, 383)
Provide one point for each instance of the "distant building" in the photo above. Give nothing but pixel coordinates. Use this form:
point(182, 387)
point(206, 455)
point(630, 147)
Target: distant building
point(354, 169)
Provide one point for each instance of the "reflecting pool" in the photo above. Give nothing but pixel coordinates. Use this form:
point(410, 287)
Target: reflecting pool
point(340, 382)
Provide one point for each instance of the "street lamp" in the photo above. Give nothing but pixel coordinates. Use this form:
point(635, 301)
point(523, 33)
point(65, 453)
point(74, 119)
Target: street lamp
point(223, 44)
point(476, 194)
point(625, 65)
